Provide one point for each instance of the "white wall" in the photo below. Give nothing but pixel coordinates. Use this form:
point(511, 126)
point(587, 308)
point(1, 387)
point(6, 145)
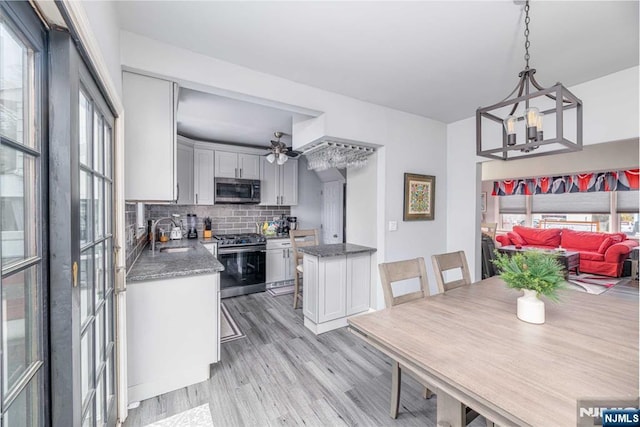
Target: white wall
point(611, 113)
point(309, 206)
point(411, 143)
point(104, 24)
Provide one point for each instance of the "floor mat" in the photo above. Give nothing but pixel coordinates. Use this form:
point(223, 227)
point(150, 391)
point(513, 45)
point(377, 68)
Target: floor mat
point(594, 284)
point(229, 329)
point(282, 290)
point(196, 417)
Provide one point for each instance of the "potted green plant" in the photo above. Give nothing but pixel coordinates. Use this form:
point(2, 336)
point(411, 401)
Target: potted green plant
point(535, 273)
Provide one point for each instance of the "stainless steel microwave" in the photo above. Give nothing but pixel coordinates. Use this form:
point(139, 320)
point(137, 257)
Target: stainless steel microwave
point(233, 190)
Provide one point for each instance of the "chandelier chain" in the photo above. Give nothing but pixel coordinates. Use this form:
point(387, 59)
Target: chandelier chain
point(526, 34)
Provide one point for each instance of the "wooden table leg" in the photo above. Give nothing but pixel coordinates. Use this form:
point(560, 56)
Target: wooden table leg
point(450, 412)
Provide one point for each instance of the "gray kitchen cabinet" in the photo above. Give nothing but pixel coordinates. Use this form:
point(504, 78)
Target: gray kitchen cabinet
point(161, 356)
point(280, 260)
point(185, 174)
point(237, 165)
point(150, 138)
point(249, 165)
point(335, 288)
point(279, 183)
point(203, 176)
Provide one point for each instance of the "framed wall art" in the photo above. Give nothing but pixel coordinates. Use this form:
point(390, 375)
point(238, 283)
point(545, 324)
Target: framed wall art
point(419, 197)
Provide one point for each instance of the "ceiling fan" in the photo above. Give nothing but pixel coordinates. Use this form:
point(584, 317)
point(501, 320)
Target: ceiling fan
point(279, 152)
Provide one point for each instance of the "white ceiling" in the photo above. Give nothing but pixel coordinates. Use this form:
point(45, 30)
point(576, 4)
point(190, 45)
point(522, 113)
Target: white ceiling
point(439, 59)
point(209, 117)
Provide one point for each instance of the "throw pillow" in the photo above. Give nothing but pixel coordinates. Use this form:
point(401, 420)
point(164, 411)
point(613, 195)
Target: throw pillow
point(516, 238)
point(606, 243)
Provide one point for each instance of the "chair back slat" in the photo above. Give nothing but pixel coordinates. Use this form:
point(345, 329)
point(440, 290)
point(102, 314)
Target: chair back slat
point(451, 261)
point(302, 238)
point(391, 272)
point(489, 228)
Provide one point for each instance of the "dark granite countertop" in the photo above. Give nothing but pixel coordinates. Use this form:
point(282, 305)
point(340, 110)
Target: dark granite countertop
point(165, 265)
point(336, 249)
point(276, 236)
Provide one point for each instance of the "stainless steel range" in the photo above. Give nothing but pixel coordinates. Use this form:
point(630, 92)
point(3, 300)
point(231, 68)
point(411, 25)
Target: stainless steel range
point(244, 260)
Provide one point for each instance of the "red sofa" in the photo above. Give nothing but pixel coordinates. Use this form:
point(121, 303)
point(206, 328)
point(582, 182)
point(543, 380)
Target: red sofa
point(600, 253)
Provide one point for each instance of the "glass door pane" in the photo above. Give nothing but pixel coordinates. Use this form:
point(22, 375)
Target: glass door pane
point(21, 321)
point(96, 225)
point(22, 272)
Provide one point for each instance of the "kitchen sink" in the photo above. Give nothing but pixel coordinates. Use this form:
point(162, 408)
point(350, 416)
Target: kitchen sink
point(176, 250)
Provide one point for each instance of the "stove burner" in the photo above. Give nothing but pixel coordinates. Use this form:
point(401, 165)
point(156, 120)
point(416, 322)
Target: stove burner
point(240, 239)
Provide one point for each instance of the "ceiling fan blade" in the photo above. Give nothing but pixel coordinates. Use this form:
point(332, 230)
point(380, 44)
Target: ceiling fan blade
point(292, 153)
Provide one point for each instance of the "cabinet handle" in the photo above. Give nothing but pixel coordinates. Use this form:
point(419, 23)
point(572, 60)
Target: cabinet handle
point(283, 253)
point(196, 198)
point(178, 195)
point(236, 172)
point(240, 172)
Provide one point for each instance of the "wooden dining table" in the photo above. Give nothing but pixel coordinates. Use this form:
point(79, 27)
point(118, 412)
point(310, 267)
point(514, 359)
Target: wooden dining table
point(470, 346)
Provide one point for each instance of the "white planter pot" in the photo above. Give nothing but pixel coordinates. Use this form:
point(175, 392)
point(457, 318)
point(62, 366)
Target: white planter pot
point(530, 308)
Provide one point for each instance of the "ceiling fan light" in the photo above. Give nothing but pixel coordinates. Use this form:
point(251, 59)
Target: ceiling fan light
point(271, 158)
point(282, 158)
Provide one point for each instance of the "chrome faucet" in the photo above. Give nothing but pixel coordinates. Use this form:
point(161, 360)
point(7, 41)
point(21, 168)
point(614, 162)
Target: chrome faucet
point(154, 229)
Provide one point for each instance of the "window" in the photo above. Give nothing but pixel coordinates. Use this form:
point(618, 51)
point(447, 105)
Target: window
point(627, 208)
point(513, 211)
point(589, 211)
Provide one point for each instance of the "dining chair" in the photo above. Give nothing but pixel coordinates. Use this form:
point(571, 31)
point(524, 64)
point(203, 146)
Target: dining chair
point(299, 239)
point(391, 272)
point(447, 262)
point(489, 228)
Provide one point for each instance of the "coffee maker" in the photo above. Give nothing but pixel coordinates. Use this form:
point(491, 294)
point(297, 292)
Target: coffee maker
point(292, 222)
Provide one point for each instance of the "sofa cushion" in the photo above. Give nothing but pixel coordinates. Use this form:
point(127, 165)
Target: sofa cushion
point(516, 238)
point(591, 256)
point(535, 236)
point(589, 241)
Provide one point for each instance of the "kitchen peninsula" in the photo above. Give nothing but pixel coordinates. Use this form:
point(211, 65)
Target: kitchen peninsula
point(173, 328)
point(337, 284)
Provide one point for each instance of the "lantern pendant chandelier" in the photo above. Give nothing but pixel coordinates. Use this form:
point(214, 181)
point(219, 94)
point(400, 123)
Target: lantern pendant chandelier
point(525, 112)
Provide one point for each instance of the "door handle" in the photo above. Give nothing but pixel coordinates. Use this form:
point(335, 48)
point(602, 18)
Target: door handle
point(335, 235)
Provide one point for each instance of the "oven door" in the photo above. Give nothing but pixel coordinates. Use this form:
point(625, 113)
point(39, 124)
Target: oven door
point(230, 190)
point(244, 270)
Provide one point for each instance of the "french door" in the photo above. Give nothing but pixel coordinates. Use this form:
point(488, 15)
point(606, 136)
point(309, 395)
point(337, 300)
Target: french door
point(23, 258)
point(82, 258)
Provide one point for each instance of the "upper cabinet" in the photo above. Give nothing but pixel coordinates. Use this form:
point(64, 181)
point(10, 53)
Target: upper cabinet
point(237, 165)
point(150, 138)
point(203, 176)
point(279, 183)
point(185, 174)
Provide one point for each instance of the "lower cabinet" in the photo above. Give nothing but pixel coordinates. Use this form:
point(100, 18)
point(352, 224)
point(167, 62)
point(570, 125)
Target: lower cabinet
point(280, 260)
point(335, 288)
point(173, 333)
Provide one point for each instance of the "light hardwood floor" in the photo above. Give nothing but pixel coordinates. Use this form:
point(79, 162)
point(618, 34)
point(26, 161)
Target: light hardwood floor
point(282, 374)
